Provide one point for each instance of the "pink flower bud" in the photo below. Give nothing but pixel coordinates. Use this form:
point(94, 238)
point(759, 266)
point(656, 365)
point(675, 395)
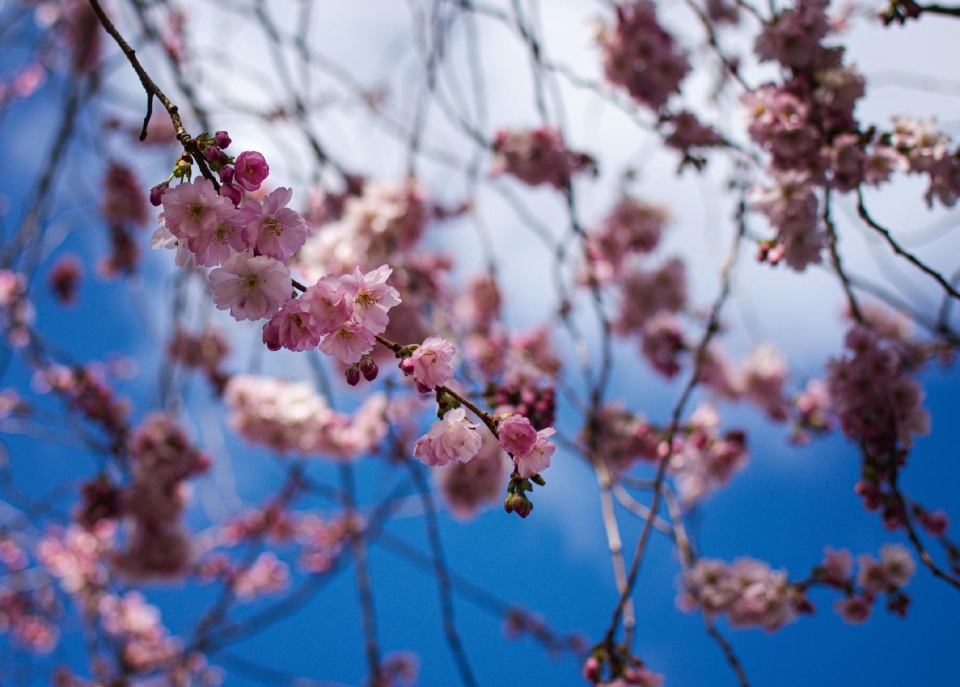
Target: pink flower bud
point(156, 193)
point(591, 670)
point(226, 175)
point(212, 153)
point(232, 192)
point(222, 139)
point(250, 170)
point(407, 366)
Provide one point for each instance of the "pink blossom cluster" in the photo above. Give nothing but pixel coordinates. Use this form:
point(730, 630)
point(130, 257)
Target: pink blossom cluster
point(888, 575)
point(793, 36)
point(521, 360)
point(538, 156)
point(640, 56)
point(273, 522)
point(526, 396)
point(662, 343)
point(29, 618)
point(812, 412)
point(162, 459)
point(382, 224)
point(748, 592)
point(322, 541)
point(16, 311)
point(145, 644)
point(204, 351)
point(633, 227)
point(647, 292)
point(872, 393)
point(924, 150)
point(792, 208)
point(530, 449)
point(266, 575)
point(123, 201)
point(85, 390)
point(684, 132)
point(29, 608)
point(213, 229)
point(480, 303)
point(290, 417)
point(340, 316)
point(620, 438)
point(79, 558)
point(703, 460)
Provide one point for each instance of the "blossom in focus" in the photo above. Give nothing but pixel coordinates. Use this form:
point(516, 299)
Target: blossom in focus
point(349, 342)
point(431, 364)
point(251, 287)
point(250, 170)
point(372, 297)
point(538, 458)
point(517, 435)
point(271, 227)
point(451, 439)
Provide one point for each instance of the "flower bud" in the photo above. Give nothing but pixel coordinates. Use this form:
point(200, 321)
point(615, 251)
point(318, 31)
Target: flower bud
point(226, 175)
point(423, 388)
point(591, 670)
point(212, 153)
point(156, 193)
point(369, 368)
point(406, 365)
point(232, 192)
point(353, 375)
point(222, 139)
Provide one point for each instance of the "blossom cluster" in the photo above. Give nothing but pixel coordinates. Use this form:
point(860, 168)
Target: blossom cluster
point(538, 156)
point(640, 56)
point(162, 460)
point(751, 594)
point(290, 417)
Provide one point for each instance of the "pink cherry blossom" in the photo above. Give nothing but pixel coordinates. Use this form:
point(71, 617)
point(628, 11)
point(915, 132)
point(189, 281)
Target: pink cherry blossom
point(293, 328)
point(250, 170)
point(855, 610)
point(451, 439)
point(538, 458)
point(328, 304)
point(372, 297)
point(349, 342)
point(517, 435)
point(217, 242)
point(193, 208)
point(431, 364)
point(271, 227)
point(251, 287)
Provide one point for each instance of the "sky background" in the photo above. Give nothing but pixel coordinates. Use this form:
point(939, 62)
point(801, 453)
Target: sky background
point(784, 508)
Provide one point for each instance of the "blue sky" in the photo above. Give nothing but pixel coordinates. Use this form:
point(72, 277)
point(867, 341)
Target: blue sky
point(784, 508)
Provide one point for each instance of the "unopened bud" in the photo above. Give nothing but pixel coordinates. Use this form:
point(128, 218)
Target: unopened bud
point(222, 139)
point(591, 670)
point(226, 175)
point(212, 153)
point(353, 375)
point(156, 193)
point(233, 192)
point(406, 365)
point(369, 368)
